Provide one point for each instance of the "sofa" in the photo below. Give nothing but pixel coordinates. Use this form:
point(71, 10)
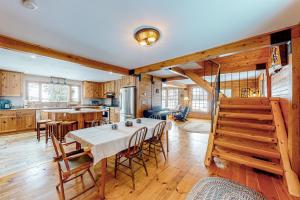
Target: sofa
point(156, 112)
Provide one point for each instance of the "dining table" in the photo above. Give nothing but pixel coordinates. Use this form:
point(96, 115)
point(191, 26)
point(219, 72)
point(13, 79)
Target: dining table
point(104, 141)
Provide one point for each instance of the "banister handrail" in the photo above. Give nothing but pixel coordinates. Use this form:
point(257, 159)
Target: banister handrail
point(215, 94)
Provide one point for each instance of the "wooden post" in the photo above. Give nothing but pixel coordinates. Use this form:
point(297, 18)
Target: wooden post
point(294, 105)
point(290, 176)
point(211, 138)
point(269, 83)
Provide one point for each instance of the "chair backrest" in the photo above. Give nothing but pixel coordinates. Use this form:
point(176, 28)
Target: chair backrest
point(60, 151)
point(159, 130)
point(137, 139)
point(186, 111)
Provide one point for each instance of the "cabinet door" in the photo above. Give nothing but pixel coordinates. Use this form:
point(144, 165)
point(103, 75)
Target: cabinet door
point(117, 88)
point(26, 120)
point(10, 83)
point(87, 90)
point(14, 80)
point(8, 124)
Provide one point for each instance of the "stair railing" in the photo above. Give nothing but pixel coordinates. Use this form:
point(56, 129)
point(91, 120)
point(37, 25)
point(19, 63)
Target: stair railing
point(215, 95)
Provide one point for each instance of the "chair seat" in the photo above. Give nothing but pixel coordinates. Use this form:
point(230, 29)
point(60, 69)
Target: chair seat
point(126, 153)
point(76, 162)
point(43, 121)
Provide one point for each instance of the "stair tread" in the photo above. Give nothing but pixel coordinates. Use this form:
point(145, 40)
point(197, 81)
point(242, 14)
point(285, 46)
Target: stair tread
point(263, 117)
point(247, 135)
point(248, 125)
point(249, 161)
point(253, 148)
point(246, 107)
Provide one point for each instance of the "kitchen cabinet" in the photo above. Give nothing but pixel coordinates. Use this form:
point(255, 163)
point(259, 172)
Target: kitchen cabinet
point(114, 114)
point(17, 120)
point(8, 121)
point(109, 87)
point(92, 90)
point(26, 120)
point(127, 81)
point(117, 88)
point(10, 83)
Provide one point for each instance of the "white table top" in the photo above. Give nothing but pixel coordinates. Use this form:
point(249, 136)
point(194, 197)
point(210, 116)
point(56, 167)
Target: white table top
point(105, 142)
point(73, 111)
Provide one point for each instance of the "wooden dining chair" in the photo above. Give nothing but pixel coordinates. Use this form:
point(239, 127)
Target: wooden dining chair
point(71, 165)
point(135, 150)
point(155, 142)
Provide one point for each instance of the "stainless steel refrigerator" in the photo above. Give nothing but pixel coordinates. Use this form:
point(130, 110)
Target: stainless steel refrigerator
point(127, 103)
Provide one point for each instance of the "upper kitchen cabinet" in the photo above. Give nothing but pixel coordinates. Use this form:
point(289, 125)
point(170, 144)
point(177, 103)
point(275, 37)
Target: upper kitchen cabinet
point(117, 87)
point(92, 90)
point(10, 84)
point(109, 87)
point(127, 81)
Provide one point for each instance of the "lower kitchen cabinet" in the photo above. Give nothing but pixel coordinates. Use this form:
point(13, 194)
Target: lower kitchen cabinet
point(8, 124)
point(26, 120)
point(17, 120)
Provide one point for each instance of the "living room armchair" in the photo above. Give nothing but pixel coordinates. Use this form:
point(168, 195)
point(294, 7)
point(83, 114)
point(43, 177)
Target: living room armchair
point(182, 115)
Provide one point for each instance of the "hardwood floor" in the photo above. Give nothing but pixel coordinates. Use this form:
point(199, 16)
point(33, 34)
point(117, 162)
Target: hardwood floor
point(172, 180)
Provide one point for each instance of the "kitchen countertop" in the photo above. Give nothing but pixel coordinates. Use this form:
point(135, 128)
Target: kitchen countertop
point(72, 111)
point(54, 108)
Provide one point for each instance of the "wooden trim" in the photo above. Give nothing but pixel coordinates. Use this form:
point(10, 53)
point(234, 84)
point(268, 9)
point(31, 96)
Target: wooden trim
point(232, 48)
point(18, 45)
point(290, 176)
point(208, 156)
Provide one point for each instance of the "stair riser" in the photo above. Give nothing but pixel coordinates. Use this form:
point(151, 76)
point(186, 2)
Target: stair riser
point(274, 170)
point(244, 136)
point(246, 125)
point(256, 152)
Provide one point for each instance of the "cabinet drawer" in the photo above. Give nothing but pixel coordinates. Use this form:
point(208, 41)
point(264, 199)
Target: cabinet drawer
point(6, 113)
point(25, 112)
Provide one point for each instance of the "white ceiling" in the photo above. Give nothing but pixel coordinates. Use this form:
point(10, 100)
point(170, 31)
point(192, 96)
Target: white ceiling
point(103, 30)
point(22, 62)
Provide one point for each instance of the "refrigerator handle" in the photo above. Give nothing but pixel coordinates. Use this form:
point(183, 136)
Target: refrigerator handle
point(120, 103)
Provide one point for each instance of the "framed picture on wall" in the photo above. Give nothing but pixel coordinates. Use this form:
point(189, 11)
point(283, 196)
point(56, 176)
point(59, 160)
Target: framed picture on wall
point(245, 92)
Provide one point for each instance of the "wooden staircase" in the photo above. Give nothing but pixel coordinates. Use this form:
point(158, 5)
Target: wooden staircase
point(251, 132)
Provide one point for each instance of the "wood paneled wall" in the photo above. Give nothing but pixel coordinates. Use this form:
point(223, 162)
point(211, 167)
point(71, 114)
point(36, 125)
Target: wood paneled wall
point(148, 93)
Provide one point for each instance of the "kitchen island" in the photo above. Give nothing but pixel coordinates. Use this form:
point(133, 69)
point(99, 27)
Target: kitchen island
point(82, 115)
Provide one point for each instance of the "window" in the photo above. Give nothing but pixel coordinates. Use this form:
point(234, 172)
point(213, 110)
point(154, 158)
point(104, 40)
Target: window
point(227, 92)
point(33, 91)
point(172, 98)
point(75, 94)
point(54, 93)
point(163, 98)
point(46, 92)
point(199, 99)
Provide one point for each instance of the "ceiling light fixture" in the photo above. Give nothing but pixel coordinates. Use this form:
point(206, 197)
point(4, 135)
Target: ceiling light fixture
point(30, 4)
point(147, 36)
point(33, 56)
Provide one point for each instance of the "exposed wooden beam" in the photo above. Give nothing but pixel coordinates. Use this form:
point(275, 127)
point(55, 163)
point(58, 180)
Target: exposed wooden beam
point(232, 48)
point(194, 77)
point(175, 78)
point(243, 63)
point(18, 45)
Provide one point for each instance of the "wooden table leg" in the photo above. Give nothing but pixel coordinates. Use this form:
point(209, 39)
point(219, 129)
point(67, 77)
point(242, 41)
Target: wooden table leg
point(102, 178)
point(167, 135)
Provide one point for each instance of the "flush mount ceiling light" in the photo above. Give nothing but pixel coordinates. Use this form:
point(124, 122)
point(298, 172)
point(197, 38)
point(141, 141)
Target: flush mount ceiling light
point(30, 4)
point(147, 36)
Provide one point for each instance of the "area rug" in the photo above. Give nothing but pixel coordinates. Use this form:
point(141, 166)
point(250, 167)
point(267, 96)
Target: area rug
point(214, 188)
point(196, 127)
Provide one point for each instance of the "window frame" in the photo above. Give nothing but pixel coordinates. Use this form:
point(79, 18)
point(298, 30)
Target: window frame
point(200, 99)
point(167, 98)
point(69, 99)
